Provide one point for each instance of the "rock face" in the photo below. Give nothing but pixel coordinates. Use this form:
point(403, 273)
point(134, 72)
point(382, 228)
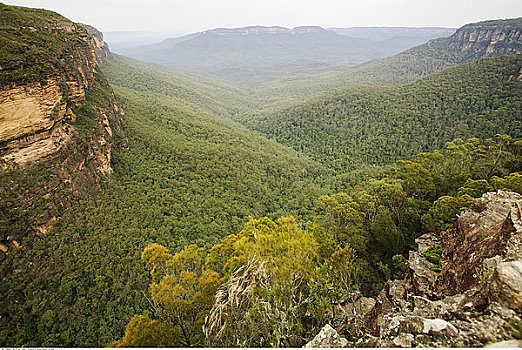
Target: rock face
point(101, 49)
point(486, 230)
point(490, 38)
point(39, 131)
point(35, 119)
point(474, 301)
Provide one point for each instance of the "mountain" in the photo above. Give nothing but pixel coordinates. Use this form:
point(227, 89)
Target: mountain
point(265, 50)
point(106, 160)
point(351, 127)
point(398, 38)
point(419, 34)
point(472, 41)
point(119, 40)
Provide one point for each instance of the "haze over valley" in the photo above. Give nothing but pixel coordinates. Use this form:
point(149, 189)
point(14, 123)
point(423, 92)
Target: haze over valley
point(261, 183)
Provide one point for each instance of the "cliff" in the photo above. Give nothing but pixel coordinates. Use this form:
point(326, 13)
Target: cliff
point(485, 39)
point(58, 118)
point(475, 300)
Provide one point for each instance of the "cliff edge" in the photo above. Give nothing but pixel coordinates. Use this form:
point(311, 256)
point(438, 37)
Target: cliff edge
point(58, 119)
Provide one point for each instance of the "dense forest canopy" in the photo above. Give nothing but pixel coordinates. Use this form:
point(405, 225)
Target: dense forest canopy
point(206, 232)
point(352, 127)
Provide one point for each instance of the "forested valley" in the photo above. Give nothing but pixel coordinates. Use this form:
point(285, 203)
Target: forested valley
point(232, 215)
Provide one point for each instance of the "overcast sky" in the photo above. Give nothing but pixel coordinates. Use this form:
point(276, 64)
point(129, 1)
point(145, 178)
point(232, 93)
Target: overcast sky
point(185, 16)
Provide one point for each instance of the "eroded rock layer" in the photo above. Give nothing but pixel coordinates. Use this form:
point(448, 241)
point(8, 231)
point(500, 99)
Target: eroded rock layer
point(57, 130)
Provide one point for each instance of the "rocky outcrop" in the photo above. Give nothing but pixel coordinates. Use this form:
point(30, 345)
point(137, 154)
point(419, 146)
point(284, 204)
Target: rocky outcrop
point(474, 301)
point(39, 132)
point(490, 228)
point(34, 121)
point(487, 39)
point(35, 118)
point(101, 48)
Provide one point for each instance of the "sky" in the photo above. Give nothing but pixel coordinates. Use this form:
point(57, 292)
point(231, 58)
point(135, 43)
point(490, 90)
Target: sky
point(188, 16)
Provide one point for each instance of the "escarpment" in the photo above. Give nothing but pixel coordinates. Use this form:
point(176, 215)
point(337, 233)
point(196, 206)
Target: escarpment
point(484, 39)
point(493, 38)
point(58, 119)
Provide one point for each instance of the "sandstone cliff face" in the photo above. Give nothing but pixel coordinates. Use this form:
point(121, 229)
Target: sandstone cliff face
point(488, 42)
point(35, 118)
point(101, 49)
point(38, 130)
point(487, 39)
point(475, 300)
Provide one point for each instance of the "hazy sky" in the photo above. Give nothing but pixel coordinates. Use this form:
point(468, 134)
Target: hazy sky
point(184, 16)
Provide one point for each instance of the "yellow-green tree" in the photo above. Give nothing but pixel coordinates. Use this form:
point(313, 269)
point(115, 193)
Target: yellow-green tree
point(181, 293)
point(143, 332)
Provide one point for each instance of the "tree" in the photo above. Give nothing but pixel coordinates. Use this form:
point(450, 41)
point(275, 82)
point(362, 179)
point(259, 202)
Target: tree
point(342, 265)
point(142, 332)
point(181, 296)
point(265, 294)
point(443, 211)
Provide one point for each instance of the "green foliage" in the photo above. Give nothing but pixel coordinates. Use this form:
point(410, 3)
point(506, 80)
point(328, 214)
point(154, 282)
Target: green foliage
point(199, 89)
point(186, 177)
point(444, 210)
point(364, 126)
point(474, 188)
point(184, 293)
point(381, 217)
point(33, 44)
point(433, 254)
point(342, 264)
point(142, 332)
point(274, 283)
point(402, 68)
point(186, 174)
point(511, 182)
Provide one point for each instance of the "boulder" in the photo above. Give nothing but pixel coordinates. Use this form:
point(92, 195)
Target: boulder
point(404, 340)
point(439, 327)
point(327, 338)
point(505, 285)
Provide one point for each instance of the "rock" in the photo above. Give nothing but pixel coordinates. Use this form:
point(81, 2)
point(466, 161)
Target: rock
point(439, 327)
point(487, 41)
point(355, 305)
point(37, 126)
point(327, 338)
point(506, 284)
point(506, 344)
point(404, 340)
point(367, 341)
point(475, 300)
point(419, 274)
point(479, 233)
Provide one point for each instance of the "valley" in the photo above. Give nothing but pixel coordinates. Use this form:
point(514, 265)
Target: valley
point(241, 200)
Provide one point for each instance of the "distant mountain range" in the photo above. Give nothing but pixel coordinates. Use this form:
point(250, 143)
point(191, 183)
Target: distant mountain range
point(419, 34)
point(279, 50)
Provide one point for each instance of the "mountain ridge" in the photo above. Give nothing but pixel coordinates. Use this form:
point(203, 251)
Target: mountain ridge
point(265, 51)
